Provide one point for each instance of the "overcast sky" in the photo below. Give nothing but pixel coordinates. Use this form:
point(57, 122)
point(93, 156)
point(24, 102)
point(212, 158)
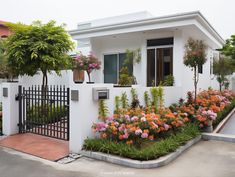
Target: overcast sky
point(220, 13)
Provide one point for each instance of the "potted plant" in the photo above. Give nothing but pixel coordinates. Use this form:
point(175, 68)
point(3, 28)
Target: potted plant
point(87, 63)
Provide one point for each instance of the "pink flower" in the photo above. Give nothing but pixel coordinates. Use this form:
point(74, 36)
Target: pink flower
point(101, 126)
point(166, 126)
point(134, 118)
point(144, 135)
point(126, 135)
point(127, 117)
point(138, 131)
point(142, 119)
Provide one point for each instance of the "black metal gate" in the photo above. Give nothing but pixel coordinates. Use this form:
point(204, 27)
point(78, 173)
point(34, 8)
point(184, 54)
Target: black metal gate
point(44, 111)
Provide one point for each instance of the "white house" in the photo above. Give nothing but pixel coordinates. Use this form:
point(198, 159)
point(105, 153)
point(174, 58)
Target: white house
point(161, 41)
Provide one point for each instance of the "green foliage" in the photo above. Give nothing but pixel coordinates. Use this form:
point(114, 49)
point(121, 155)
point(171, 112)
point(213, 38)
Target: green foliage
point(125, 79)
point(37, 47)
point(161, 95)
point(135, 100)
point(124, 100)
point(46, 114)
point(132, 56)
point(5, 70)
point(155, 98)
point(151, 150)
point(147, 99)
point(222, 68)
point(195, 56)
point(103, 110)
point(117, 104)
point(169, 80)
point(229, 48)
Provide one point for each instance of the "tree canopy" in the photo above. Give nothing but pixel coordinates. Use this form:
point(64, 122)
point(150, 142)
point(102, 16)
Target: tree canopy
point(5, 71)
point(195, 56)
point(229, 47)
point(222, 67)
point(38, 47)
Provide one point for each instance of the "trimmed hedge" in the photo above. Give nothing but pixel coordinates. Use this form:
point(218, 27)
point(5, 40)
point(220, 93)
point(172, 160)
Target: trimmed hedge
point(150, 150)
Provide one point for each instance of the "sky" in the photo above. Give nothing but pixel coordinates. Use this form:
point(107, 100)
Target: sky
point(220, 13)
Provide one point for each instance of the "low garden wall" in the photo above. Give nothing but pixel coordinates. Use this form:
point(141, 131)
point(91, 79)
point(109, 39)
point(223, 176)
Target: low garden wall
point(84, 112)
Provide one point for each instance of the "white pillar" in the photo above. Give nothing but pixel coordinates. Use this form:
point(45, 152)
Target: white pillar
point(178, 54)
point(10, 109)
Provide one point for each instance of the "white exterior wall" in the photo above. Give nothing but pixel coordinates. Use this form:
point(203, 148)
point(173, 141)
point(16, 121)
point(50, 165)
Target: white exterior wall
point(119, 44)
point(84, 113)
point(53, 79)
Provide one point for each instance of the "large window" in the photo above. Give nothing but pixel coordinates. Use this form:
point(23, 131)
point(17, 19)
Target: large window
point(159, 60)
point(112, 65)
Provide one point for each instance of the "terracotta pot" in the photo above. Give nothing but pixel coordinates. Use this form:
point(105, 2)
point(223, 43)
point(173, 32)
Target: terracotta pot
point(78, 76)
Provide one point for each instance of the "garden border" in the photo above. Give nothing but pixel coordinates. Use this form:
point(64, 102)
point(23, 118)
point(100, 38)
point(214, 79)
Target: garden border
point(162, 161)
point(224, 121)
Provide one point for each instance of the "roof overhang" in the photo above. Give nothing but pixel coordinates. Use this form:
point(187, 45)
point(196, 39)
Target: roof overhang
point(171, 21)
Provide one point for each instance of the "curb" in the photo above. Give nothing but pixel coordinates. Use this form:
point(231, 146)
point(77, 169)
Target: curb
point(218, 137)
point(162, 161)
point(224, 121)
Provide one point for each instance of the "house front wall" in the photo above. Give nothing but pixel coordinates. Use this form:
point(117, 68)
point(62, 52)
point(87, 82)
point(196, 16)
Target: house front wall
point(183, 76)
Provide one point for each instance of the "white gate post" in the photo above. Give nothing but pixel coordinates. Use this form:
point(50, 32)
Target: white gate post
point(10, 108)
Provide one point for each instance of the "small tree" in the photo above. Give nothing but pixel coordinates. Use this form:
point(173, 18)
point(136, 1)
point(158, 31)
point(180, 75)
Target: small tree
point(222, 68)
point(87, 63)
point(195, 56)
point(229, 48)
point(38, 47)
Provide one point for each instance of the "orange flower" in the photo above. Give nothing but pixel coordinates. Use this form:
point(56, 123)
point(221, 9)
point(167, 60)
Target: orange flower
point(151, 137)
point(170, 115)
point(129, 142)
point(120, 137)
point(103, 135)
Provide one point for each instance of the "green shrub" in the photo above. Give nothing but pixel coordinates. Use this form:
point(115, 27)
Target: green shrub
point(150, 150)
point(124, 100)
point(168, 80)
point(125, 79)
point(103, 109)
point(46, 114)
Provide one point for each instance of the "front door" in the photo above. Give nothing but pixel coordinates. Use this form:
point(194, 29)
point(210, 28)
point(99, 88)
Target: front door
point(159, 65)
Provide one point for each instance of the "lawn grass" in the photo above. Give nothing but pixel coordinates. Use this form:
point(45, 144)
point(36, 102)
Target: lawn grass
point(150, 151)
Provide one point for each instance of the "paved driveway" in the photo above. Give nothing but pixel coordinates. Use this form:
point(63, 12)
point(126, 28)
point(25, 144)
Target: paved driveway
point(205, 159)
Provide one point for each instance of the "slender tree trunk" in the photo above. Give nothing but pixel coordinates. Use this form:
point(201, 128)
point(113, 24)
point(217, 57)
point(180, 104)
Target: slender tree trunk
point(195, 85)
point(44, 95)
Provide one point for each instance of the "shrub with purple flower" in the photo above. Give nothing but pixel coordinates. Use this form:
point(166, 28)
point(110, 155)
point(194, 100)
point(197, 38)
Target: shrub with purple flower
point(87, 63)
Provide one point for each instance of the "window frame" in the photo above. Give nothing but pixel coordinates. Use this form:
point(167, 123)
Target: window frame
point(118, 63)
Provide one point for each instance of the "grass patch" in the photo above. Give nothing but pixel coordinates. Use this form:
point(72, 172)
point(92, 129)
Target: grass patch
point(150, 151)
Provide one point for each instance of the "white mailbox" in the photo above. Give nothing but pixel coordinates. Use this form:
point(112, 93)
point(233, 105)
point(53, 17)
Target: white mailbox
point(100, 93)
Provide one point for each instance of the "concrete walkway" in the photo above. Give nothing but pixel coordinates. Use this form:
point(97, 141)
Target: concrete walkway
point(229, 127)
point(205, 159)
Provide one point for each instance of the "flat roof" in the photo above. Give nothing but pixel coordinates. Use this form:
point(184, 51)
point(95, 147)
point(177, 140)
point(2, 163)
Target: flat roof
point(148, 21)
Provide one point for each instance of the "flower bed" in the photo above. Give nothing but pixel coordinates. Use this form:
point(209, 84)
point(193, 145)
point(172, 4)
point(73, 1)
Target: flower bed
point(211, 105)
point(148, 150)
point(149, 132)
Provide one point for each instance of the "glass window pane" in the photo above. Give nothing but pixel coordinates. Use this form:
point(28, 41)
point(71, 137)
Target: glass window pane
point(110, 69)
point(150, 67)
point(122, 57)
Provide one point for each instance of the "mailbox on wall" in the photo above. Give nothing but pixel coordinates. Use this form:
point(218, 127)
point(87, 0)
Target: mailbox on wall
point(100, 93)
